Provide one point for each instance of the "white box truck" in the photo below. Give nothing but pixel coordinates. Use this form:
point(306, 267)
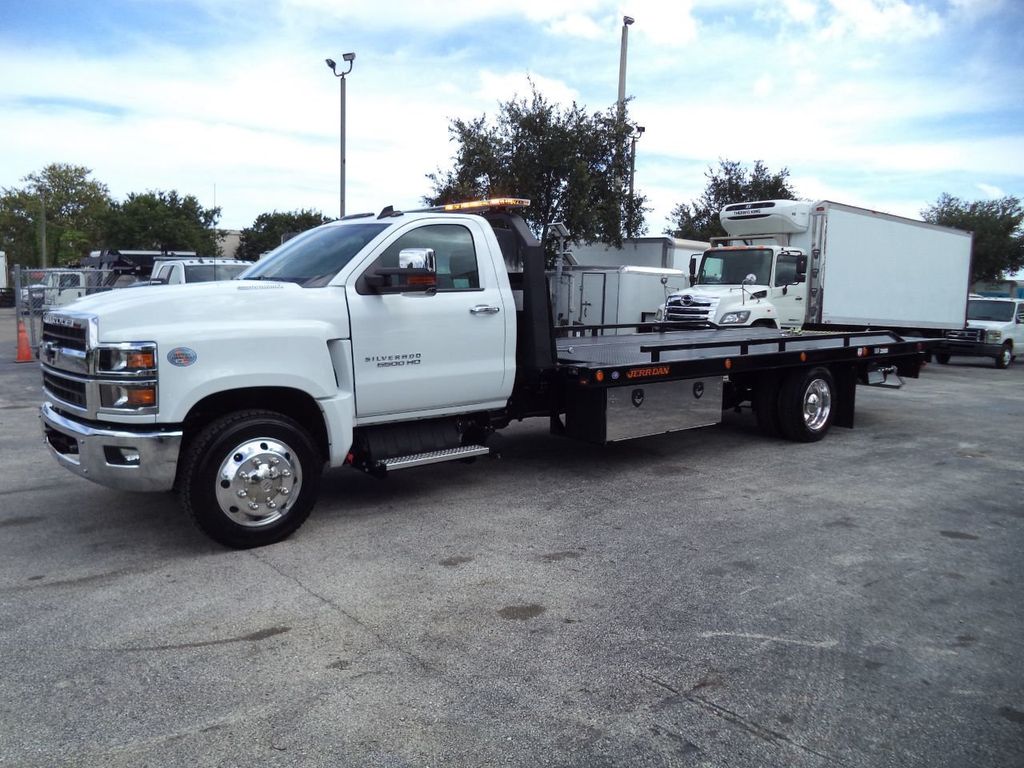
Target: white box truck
point(799, 264)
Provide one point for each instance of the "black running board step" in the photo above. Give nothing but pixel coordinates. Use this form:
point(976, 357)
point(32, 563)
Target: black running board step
point(433, 457)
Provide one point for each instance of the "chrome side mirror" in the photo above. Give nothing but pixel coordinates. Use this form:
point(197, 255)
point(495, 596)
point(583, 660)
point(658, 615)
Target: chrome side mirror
point(417, 258)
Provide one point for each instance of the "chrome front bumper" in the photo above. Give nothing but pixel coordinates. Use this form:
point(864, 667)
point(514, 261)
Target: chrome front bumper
point(117, 458)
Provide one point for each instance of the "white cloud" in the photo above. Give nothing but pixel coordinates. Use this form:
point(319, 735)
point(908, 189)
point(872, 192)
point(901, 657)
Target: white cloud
point(990, 191)
point(577, 25)
point(502, 87)
point(802, 11)
point(882, 20)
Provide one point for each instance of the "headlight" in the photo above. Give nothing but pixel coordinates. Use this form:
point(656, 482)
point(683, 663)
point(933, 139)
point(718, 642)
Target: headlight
point(993, 336)
point(130, 397)
point(127, 358)
point(660, 314)
point(735, 318)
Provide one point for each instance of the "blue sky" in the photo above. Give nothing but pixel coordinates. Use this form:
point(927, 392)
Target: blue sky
point(881, 103)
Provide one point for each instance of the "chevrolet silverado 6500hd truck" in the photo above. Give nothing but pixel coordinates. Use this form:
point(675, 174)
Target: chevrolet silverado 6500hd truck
point(795, 264)
point(392, 341)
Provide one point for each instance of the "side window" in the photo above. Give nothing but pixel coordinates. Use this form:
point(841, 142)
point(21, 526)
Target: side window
point(165, 272)
point(69, 281)
point(785, 270)
point(454, 253)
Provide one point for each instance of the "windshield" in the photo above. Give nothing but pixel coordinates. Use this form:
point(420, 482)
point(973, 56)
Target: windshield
point(204, 273)
point(731, 267)
point(990, 310)
point(315, 256)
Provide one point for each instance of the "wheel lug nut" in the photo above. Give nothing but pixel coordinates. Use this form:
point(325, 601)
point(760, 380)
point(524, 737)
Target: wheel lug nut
point(242, 494)
point(253, 506)
point(271, 505)
point(283, 491)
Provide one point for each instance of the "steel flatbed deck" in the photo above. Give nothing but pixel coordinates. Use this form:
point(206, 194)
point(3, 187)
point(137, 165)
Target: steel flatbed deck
point(682, 354)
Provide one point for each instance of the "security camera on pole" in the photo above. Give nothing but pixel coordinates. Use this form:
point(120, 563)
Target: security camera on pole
point(349, 57)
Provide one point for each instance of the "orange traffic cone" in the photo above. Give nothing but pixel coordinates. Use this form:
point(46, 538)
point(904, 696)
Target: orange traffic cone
point(24, 348)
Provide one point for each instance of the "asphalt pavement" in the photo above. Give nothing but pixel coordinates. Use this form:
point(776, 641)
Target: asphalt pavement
point(708, 598)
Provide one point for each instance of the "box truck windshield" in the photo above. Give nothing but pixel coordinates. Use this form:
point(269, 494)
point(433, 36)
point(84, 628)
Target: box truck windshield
point(999, 311)
point(731, 267)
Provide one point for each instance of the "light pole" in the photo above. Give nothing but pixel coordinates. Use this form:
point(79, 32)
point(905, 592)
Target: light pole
point(626, 21)
point(349, 57)
point(633, 138)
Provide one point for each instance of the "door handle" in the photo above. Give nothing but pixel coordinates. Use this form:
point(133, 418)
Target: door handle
point(484, 309)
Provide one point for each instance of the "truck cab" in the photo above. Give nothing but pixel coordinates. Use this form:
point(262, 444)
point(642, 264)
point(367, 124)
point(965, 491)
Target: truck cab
point(995, 328)
point(749, 278)
point(196, 270)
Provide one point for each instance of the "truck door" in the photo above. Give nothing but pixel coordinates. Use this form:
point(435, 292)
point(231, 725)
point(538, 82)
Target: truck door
point(592, 302)
point(451, 348)
point(788, 296)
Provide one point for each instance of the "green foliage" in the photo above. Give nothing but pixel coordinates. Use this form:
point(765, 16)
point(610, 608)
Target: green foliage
point(74, 207)
point(162, 221)
point(731, 183)
point(998, 235)
point(268, 229)
point(573, 167)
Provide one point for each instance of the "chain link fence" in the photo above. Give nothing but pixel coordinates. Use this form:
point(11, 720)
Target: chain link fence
point(38, 290)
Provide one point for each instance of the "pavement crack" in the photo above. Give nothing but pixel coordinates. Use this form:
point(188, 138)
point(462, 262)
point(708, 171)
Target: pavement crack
point(347, 614)
point(757, 730)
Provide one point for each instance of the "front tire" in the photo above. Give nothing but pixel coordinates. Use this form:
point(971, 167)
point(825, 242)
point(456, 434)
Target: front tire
point(250, 478)
point(1005, 356)
point(942, 358)
point(807, 404)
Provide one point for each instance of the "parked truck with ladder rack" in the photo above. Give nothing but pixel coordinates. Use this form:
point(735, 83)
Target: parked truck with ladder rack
point(825, 265)
point(390, 341)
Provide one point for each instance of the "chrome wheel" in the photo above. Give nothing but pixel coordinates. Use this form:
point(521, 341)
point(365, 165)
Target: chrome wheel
point(258, 482)
point(817, 404)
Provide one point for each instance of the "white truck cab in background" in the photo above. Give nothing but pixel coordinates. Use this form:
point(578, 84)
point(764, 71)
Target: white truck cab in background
point(799, 264)
point(995, 328)
point(176, 271)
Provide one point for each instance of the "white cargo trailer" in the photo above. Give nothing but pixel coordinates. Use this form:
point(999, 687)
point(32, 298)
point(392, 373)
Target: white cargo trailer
point(625, 295)
point(793, 264)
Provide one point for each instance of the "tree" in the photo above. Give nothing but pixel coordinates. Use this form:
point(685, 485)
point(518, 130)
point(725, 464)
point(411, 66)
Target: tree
point(731, 183)
point(572, 166)
point(269, 229)
point(60, 201)
point(998, 245)
point(162, 221)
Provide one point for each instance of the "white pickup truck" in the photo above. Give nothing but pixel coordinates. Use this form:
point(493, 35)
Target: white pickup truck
point(196, 270)
point(391, 341)
point(995, 328)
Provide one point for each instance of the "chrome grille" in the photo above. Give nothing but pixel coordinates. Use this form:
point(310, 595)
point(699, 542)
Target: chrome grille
point(967, 334)
point(63, 388)
point(690, 309)
point(69, 336)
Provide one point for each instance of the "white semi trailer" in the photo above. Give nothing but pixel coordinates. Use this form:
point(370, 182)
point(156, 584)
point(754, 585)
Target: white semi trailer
point(798, 264)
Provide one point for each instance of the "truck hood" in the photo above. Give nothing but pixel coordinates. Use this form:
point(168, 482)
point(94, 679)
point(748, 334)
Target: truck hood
point(989, 325)
point(156, 311)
